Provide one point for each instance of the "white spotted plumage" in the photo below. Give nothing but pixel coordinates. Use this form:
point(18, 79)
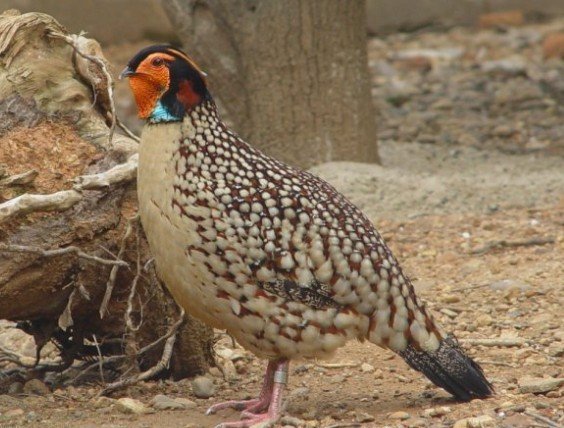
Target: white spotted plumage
point(273, 254)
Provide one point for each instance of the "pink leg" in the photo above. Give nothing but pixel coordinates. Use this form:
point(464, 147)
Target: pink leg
point(255, 404)
point(272, 405)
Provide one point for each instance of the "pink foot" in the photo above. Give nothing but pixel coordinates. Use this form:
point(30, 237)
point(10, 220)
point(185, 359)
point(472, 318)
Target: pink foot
point(255, 411)
point(263, 418)
point(254, 405)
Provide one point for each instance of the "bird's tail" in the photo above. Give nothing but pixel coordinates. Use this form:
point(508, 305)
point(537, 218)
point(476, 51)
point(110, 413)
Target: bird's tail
point(403, 324)
point(450, 368)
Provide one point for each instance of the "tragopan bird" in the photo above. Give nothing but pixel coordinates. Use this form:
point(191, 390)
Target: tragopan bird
point(272, 254)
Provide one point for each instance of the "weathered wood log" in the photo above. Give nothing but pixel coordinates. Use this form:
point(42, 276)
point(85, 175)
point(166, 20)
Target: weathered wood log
point(57, 120)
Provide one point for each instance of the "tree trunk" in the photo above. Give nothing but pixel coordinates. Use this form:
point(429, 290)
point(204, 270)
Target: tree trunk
point(292, 76)
point(54, 126)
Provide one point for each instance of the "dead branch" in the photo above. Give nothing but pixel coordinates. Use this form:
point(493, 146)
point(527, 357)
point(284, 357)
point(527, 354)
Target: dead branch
point(65, 199)
point(498, 341)
point(337, 365)
point(544, 419)
point(127, 131)
point(123, 172)
point(59, 252)
point(24, 204)
point(157, 368)
point(113, 274)
point(19, 179)
point(494, 245)
point(132, 292)
point(496, 363)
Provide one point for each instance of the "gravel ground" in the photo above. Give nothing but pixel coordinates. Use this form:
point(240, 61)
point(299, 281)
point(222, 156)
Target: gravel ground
point(471, 199)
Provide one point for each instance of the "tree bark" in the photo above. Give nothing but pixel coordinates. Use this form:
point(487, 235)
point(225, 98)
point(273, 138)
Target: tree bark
point(292, 76)
point(54, 126)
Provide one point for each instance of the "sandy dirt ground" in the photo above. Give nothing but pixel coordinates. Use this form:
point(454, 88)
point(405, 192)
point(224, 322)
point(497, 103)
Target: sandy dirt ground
point(470, 198)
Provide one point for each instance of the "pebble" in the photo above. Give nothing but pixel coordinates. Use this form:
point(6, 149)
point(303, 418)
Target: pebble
point(436, 412)
point(363, 417)
point(12, 413)
point(15, 388)
point(484, 320)
point(510, 18)
point(292, 421)
point(164, 402)
point(130, 405)
point(483, 421)
point(103, 402)
point(506, 67)
point(449, 313)
point(203, 387)
point(36, 387)
point(400, 415)
point(301, 392)
point(553, 46)
point(509, 284)
point(366, 368)
point(539, 385)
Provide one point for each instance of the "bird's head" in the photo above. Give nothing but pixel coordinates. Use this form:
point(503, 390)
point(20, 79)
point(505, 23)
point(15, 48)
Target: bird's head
point(166, 83)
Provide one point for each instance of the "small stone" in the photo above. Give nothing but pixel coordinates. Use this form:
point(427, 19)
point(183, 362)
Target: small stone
point(103, 402)
point(12, 413)
point(451, 298)
point(363, 417)
point(400, 415)
point(556, 350)
point(509, 284)
point(203, 387)
point(449, 313)
point(188, 404)
point(539, 385)
point(292, 421)
point(514, 66)
point(215, 372)
point(366, 368)
point(32, 416)
point(130, 405)
point(164, 402)
point(15, 388)
point(300, 392)
point(36, 387)
point(484, 320)
point(378, 374)
point(553, 46)
point(510, 18)
point(483, 421)
point(436, 412)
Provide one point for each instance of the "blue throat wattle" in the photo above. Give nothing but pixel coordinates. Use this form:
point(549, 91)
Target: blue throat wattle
point(161, 114)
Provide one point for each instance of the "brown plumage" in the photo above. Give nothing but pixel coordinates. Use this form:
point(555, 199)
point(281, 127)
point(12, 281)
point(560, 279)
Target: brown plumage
point(273, 254)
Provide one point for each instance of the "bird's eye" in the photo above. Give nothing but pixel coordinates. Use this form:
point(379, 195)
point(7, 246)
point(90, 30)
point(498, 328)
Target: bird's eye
point(157, 62)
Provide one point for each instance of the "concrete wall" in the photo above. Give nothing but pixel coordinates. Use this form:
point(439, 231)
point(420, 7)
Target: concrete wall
point(112, 21)
point(384, 16)
point(108, 21)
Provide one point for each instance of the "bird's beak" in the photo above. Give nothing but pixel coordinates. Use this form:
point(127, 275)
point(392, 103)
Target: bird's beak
point(127, 72)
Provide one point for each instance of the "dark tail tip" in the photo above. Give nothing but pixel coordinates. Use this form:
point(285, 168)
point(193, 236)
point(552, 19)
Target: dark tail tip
point(450, 368)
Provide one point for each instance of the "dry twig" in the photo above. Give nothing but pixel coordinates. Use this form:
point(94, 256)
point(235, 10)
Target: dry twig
point(5, 248)
point(493, 245)
point(544, 419)
point(498, 341)
point(163, 363)
point(26, 203)
point(113, 274)
point(126, 171)
point(19, 179)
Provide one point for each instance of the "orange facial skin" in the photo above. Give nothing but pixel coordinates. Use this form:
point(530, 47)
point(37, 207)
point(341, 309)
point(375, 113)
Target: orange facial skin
point(150, 81)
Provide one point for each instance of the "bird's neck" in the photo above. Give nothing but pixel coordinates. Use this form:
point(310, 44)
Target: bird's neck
point(170, 109)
